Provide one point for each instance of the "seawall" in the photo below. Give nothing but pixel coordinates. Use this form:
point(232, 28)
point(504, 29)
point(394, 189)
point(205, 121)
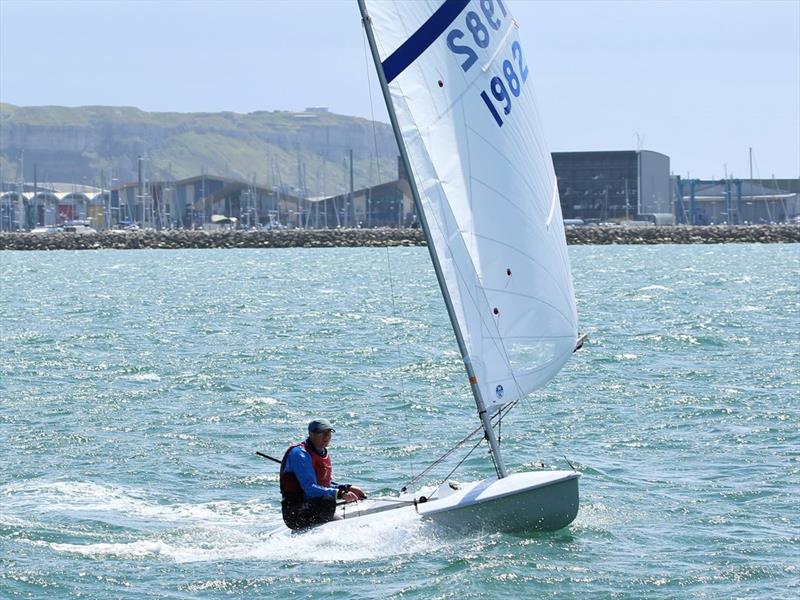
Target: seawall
point(328, 238)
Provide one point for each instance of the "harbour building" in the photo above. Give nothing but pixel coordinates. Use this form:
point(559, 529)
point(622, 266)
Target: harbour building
point(736, 201)
point(613, 186)
point(26, 206)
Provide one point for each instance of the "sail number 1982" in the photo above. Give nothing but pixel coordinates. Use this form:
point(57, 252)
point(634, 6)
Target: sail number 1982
point(514, 73)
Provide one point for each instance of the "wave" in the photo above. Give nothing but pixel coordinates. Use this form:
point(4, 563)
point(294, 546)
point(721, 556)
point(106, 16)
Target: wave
point(185, 532)
point(121, 506)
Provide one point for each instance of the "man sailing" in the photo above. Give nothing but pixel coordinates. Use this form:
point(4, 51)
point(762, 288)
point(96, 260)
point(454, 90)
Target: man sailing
point(308, 491)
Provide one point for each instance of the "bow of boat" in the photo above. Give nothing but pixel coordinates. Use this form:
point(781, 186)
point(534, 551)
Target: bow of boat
point(532, 501)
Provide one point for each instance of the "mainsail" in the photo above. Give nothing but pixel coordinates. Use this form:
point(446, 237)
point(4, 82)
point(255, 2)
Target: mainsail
point(460, 85)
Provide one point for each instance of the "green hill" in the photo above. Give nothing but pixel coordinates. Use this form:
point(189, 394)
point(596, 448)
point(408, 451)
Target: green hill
point(89, 144)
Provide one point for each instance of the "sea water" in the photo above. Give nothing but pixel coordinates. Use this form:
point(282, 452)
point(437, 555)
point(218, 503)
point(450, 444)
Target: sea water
point(136, 386)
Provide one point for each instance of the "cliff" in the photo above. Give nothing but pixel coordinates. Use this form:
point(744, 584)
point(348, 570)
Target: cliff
point(83, 144)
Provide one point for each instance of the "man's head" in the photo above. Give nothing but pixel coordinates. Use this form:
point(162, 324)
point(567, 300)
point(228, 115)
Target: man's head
point(320, 431)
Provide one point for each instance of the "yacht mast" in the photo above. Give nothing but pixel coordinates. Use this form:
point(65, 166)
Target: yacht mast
point(485, 417)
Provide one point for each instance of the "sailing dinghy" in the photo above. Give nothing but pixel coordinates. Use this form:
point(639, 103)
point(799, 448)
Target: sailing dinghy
point(457, 86)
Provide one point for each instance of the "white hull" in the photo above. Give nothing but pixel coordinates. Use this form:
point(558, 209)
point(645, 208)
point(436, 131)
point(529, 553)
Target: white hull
point(537, 501)
point(534, 501)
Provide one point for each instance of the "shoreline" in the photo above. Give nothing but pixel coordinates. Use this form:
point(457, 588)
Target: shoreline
point(331, 238)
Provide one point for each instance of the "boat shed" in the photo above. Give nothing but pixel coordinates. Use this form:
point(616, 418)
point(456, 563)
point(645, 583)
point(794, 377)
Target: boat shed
point(51, 204)
point(613, 185)
point(734, 202)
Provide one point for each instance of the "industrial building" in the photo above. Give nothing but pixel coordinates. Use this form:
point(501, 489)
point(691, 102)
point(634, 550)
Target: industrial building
point(46, 205)
point(614, 186)
point(736, 201)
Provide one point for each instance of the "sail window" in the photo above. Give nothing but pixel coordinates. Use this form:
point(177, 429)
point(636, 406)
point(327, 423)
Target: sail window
point(527, 356)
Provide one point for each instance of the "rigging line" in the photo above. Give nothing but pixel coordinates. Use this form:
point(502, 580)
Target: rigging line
point(499, 428)
point(441, 458)
point(500, 413)
point(396, 340)
point(461, 462)
point(388, 255)
point(499, 416)
point(371, 108)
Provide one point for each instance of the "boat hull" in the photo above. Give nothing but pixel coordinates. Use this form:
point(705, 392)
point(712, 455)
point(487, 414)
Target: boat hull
point(534, 501)
point(539, 501)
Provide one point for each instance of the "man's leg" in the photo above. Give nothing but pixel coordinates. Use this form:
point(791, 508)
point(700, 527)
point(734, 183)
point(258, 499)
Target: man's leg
point(316, 511)
point(293, 513)
point(321, 510)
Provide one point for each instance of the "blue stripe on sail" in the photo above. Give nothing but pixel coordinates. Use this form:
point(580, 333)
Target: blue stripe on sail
point(422, 38)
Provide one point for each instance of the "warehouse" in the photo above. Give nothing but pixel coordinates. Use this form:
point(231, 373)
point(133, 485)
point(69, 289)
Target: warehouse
point(599, 187)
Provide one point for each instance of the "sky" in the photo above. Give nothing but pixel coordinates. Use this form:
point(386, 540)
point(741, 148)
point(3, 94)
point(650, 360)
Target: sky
point(702, 81)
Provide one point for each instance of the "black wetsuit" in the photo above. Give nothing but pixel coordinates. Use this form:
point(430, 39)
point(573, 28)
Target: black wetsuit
point(299, 509)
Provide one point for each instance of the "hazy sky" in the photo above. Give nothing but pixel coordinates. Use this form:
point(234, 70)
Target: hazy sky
point(700, 81)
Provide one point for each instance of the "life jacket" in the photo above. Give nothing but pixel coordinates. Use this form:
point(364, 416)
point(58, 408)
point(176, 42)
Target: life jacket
point(323, 468)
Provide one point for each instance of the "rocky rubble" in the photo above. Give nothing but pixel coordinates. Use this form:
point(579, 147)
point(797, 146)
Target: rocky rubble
point(327, 238)
point(712, 234)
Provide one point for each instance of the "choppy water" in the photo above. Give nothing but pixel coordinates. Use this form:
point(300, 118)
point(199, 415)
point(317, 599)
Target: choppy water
point(136, 386)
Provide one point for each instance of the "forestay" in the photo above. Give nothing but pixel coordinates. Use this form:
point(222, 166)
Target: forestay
point(461, 86)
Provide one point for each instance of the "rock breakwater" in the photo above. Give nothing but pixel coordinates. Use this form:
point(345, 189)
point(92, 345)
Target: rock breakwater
point(711, 234)
point(328, 238)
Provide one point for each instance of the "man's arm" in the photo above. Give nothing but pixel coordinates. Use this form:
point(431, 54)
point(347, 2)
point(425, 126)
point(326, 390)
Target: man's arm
point(299, 463)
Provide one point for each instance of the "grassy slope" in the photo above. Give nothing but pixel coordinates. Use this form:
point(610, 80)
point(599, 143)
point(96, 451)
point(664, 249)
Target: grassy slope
point(267, 144)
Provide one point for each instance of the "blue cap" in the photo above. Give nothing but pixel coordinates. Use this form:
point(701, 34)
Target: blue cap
point(320, 425)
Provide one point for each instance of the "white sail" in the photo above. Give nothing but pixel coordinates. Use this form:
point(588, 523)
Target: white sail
point(461, 88)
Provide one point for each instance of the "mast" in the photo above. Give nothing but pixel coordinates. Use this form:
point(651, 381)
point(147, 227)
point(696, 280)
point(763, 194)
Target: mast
point(486, 419)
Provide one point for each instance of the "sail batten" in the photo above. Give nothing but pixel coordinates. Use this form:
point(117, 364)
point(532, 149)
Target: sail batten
point(456, 74)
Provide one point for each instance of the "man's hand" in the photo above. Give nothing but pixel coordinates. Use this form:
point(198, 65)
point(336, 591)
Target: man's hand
point(349, 497)
point(358, 492)
point(354, 494)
